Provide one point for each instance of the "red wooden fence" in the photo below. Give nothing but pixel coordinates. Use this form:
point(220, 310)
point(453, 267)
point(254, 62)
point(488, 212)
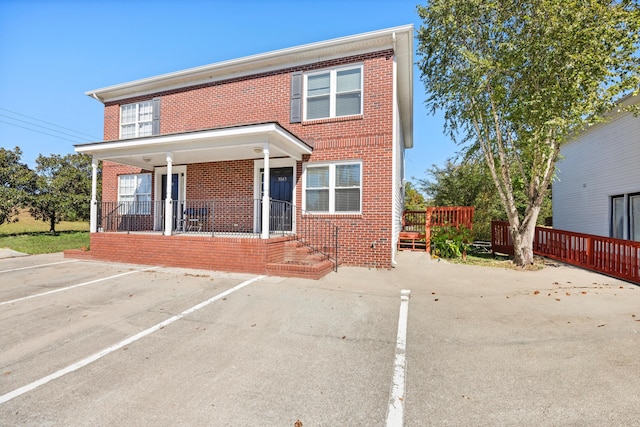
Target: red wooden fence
point(422, 221)
point(614, 257)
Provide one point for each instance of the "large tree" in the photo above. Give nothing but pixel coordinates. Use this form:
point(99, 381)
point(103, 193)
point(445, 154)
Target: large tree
point(63, 189)
point(16, 183)
point(517, 78)
point(467, 182)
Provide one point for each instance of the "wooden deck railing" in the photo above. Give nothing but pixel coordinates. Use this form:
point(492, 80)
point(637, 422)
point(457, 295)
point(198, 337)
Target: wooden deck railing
point(614, 257)
point(437, 216)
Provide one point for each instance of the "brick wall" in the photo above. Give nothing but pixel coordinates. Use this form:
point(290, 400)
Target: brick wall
point(223, 254)
point(364, 239)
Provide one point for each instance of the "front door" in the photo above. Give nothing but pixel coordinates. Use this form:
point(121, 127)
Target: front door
point(281, 188)
point(175, 195)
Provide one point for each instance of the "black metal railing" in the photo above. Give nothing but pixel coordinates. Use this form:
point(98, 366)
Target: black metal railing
point(130, 216)
point(313, 231)
point(237, 217)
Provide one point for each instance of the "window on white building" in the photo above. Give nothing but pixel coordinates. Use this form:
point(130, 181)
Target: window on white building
point(634, 217)
point(617, 217)
point(333, 188)
point(134, 194)
point(333, 93)
point(625, 216)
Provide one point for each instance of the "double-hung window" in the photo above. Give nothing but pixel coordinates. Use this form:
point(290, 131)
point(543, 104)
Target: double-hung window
point(134, 194)
point(333, 93)
point(136, 120)
point(333, 188)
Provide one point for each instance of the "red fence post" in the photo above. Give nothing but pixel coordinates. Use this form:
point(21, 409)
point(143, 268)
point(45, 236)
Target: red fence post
point(427, 228)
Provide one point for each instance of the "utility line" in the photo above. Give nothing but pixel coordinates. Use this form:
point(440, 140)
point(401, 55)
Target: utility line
point(49, 123)
point(33, 130)
point(43, 127)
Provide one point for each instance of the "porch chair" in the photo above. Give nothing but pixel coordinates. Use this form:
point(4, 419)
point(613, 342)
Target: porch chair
point(192, 219)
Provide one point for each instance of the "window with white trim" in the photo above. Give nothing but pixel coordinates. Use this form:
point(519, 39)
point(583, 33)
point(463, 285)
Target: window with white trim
point(333, 188)
point(134, 194)
point(136, 120)
point(333, 93)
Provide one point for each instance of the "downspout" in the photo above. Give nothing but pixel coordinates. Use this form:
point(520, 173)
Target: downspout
point(93, 95)
point(394, 166)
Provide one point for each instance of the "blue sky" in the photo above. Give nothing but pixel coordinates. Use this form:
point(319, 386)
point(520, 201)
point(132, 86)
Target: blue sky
point(53, 51)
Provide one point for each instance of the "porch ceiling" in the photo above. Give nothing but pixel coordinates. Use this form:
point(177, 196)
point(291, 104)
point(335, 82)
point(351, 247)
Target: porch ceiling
point(213, 145)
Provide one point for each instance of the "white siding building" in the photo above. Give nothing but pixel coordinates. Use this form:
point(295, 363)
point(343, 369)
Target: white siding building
point(597, 190)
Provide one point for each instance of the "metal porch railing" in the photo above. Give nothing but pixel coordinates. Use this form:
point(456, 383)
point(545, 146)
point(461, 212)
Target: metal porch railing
point(237, 217)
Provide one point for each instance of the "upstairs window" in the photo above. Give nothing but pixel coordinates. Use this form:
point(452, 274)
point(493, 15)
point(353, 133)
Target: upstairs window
point(333, 93)
point(140, 119)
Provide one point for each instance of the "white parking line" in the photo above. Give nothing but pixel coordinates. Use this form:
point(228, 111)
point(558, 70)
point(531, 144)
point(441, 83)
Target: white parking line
point(395, 413)
point(84, 362)
point(73, 286)
point(39, 265)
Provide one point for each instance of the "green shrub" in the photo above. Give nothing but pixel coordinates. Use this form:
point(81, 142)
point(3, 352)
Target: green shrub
point(450, 242)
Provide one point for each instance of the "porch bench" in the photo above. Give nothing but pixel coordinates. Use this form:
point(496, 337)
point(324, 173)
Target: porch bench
point(412, 240)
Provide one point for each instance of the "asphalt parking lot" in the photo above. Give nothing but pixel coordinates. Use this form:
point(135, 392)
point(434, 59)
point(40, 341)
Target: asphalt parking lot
point(88, 343)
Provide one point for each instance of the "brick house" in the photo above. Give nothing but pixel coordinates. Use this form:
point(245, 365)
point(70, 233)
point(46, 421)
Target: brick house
point(286, 163)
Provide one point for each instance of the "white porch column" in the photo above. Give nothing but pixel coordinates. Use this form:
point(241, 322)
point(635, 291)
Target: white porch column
point(266, 194)
point(93, 212)
point(168, 202)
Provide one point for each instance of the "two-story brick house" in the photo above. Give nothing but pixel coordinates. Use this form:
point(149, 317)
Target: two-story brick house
point(286, 163)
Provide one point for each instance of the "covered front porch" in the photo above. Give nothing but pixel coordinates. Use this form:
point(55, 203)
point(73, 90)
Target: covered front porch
point(195, 197)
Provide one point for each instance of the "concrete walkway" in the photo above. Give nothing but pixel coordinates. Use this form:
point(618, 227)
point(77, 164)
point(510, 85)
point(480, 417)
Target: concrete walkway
point(10, 253)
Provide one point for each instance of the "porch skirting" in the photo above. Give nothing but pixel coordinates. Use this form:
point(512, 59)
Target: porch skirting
point(242, 255)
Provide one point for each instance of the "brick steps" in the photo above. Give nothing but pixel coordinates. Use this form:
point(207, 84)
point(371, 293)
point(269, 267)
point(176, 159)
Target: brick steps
point(300, 261)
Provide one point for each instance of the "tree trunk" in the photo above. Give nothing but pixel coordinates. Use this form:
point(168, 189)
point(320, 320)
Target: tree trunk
point(523, 238)
point(52, 225)
point(523, 244)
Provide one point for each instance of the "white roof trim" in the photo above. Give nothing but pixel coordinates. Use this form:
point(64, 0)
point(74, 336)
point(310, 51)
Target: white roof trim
point(398, 38)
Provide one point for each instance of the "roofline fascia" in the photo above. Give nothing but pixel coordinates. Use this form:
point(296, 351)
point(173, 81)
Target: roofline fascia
point(192, 76)
point(196, 135)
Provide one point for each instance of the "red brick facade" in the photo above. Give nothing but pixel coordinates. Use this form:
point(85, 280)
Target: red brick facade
point(366, 238)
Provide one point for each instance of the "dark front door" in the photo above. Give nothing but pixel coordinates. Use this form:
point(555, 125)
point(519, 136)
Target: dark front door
point(281, 189)
point(174, 195)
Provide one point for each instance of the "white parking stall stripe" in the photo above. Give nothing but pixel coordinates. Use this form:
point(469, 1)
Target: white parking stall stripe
point(72, 286)
point(84, 362)
point(395, 412)
point(39, 265)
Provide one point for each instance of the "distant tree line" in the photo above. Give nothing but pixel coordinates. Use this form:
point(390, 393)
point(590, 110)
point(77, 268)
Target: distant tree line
point(59, 188)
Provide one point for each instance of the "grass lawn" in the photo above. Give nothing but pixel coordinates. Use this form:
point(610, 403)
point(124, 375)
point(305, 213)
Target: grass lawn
point(500, 261)
point(32, 237)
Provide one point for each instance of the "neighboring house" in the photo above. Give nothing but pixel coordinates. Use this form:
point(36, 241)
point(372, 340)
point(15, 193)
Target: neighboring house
point(597, 190)
point(286, 163)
